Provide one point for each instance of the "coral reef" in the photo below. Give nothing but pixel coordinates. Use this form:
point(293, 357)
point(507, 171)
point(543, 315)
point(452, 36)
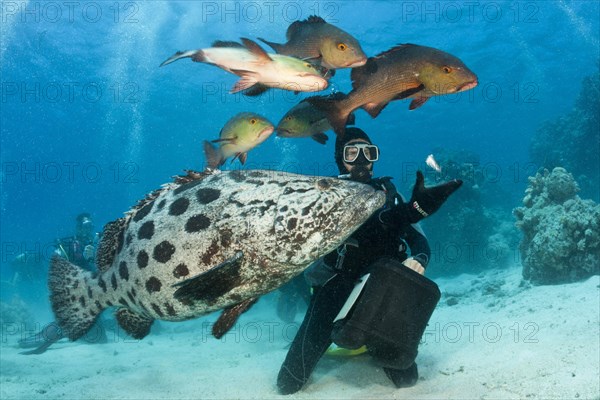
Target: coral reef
point(572, 140)
point(469, 233)
point(561, 241)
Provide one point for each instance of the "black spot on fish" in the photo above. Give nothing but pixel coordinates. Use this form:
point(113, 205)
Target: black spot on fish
point(278, 183)
point(179, 206)
point(89, 290)
point(267, 204)
point(180, 271)
point(207, 195)
point(102, 284)
point(187, 186)
point(142, 259)
point(237, 176)
point(161, 205)
point(210, 252)
point(146, 231)
point(123, 271)
point(170, 310)
point(133, 292)
point(128, 239)
point(197, 223)
point(157, 310)
point(124, 302)
point(131, 297)
point(120, 240)
point(153, 285)
point(226, 237)
point(142, 212)
point(113, 281)
point(324, 184)
point(255, 182)
point(109, 303)
point(292, 223)
point(163, 251)
point(82, 301)
point(283, 209)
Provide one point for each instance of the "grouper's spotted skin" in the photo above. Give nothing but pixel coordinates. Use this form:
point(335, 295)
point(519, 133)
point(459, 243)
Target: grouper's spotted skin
point(218, 241)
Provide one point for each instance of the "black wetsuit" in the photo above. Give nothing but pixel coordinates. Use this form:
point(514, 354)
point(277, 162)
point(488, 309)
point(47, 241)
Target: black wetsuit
point(384, 234)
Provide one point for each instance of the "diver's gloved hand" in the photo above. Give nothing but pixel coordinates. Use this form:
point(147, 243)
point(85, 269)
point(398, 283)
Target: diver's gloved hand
point(426, 201)
point(414, 264)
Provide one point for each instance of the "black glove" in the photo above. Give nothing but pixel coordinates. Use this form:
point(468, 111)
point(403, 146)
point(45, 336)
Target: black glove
point(426, 201)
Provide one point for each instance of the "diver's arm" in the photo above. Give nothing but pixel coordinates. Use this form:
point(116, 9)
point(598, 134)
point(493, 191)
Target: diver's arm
point(419, 247)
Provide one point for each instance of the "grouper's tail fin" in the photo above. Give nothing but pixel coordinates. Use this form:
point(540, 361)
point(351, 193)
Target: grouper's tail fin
point(70, 293)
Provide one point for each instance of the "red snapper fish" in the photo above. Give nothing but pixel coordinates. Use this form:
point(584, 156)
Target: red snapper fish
point(405, 71)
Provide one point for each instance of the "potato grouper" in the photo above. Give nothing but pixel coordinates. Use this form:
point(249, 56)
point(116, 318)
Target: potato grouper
point(209, 241)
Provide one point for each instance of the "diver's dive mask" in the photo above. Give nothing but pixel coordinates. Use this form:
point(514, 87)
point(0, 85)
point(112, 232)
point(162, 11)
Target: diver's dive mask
point(352, 152)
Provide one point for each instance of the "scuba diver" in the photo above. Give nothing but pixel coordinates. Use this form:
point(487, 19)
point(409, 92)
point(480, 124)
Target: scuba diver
point(388, 310)
point(79, 249)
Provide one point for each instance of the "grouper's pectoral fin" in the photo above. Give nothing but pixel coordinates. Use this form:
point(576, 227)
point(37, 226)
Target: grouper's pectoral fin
point(211, 284)
point(136, 325)
point(230, 315)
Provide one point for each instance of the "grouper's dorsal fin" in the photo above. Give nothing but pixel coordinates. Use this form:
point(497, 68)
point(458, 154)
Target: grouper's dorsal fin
point(109, 243)
point(296, 26)
point(229, 317)
point(255, 49)
point(210, 285)
point(227, 43)
point(191, 176)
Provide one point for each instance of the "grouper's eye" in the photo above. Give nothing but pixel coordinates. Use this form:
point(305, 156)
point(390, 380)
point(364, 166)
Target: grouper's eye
point(323, 184)
point(253, 121)
point(288, 118)
point(342, 46)
point(446, 69)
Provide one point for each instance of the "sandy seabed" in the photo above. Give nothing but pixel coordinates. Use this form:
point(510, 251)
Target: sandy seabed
point(503, 339)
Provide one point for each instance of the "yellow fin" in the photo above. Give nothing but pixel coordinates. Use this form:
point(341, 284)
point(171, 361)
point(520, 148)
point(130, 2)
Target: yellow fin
point(337, 351)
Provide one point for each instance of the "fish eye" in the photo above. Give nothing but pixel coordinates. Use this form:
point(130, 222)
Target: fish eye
point(323, 184)
point(288, 118)
point(446, 69)
point(309, 65)
point(253, 121)
point(342, 46)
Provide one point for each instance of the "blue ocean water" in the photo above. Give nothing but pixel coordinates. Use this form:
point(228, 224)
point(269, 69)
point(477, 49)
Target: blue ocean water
point(89, 122)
